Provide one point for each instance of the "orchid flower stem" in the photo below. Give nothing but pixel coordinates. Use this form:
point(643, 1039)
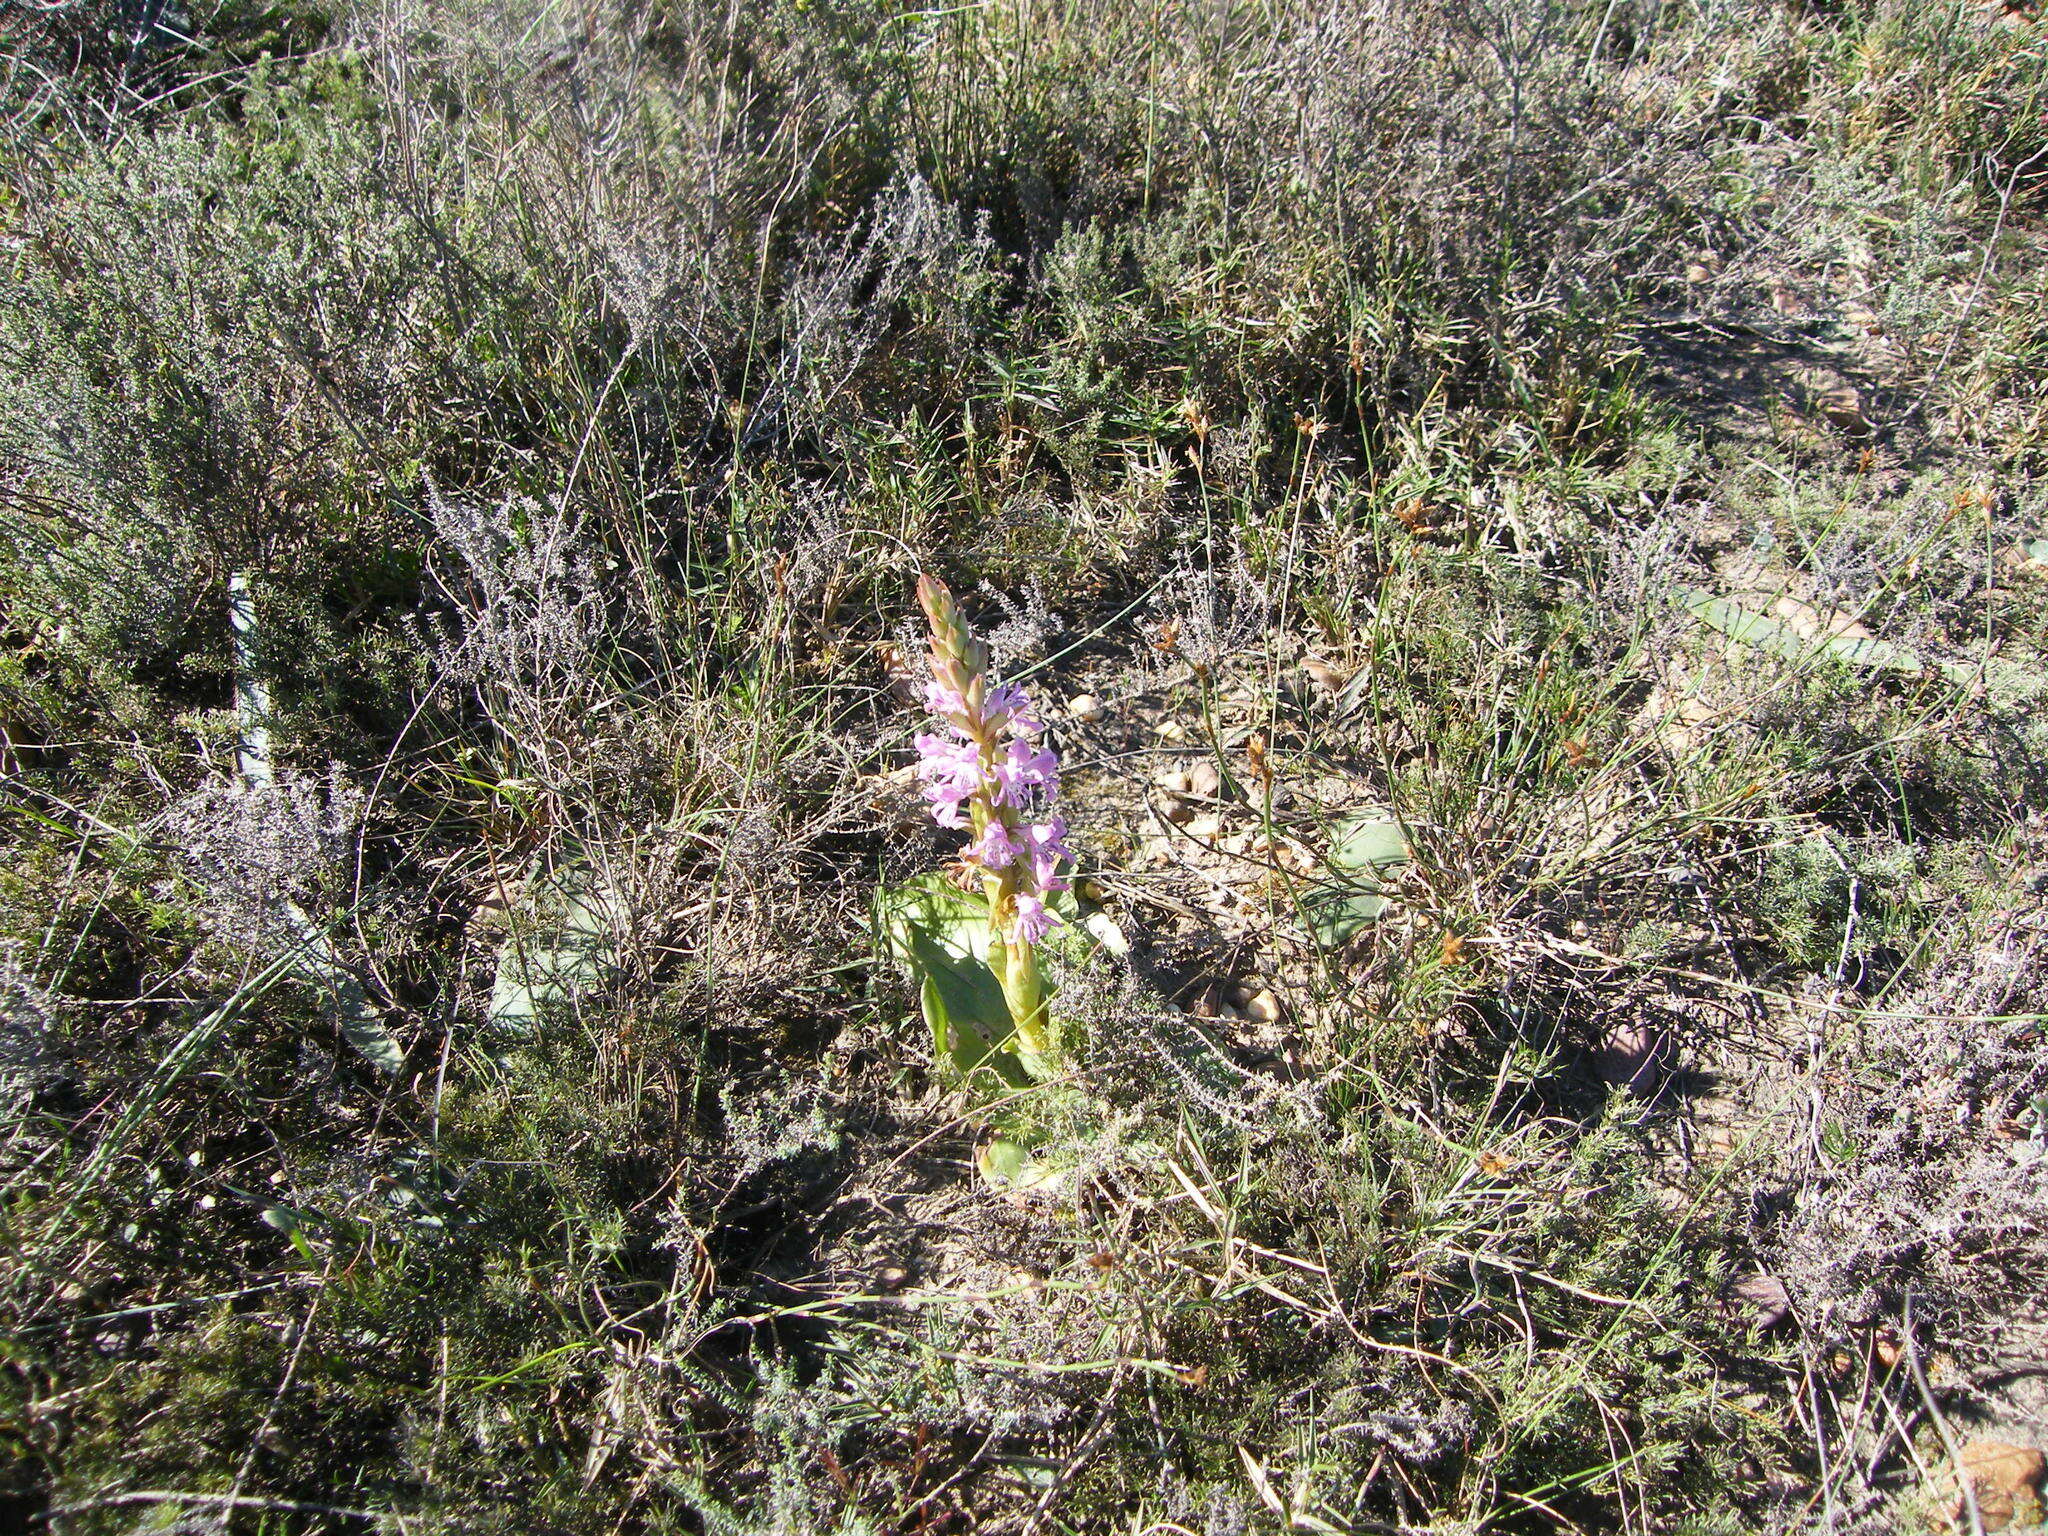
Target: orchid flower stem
point(985, 773)
point(1016, 968)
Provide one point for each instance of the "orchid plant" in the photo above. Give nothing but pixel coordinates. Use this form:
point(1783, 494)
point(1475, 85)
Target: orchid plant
point(971, 935)
point(985, 772)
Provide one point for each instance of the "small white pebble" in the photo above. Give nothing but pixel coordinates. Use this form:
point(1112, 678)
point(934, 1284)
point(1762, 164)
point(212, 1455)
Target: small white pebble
point(1086, 707)
point(1264, 1007)
point(1111, 937)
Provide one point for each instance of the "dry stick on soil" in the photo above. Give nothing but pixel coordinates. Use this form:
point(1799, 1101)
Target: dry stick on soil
point(1983, 267)
point(1902, 1428)
point(284, 1384)
point(1091, 1442)
point(1852, 1434)
point(1820, 1447)
point(1948, 1439)
point(1538, 1275)
point(212, 1501)
point(959, 1474)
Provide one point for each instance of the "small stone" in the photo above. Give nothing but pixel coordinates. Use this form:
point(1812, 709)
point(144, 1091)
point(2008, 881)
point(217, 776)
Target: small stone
point(1205, 828)
point(1843, 407)
point(1325, 678)
point(1762, 1300)
point(1633, 1057)
point(494, 909)
point(1717, 1143)
point(1203, 779)
point(894, 1278)
point(1172, 730)
point(1295, 859)
point(2007, 1481)
point(1107, 933)
point(1174, 780)
point(1265, 1007)
point(1699, 272)
point(1086, 708)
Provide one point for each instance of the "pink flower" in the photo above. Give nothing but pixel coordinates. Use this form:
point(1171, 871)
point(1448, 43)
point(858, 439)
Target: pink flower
point(1009, 705)
point(1034, 920)
point(1045, 844)
point(952, 772)
point(945, 761)
point(1023, 769)
point(993, 849)
point(941, 700)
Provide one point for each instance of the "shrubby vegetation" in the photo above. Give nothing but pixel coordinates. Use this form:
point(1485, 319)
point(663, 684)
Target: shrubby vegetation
point(465, 466)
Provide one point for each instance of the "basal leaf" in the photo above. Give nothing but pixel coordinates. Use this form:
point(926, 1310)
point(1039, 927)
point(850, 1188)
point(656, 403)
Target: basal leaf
point(939, 933)
point(556, 956)
point(1762, 632)
point(1369, 843)
point(1366, 850)
point(1337, 915)
point(366, 1032)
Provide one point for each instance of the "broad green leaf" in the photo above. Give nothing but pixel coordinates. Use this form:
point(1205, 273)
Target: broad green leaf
point(366, 1032)
point(2006, 681)
point(970, 1022)
point(1337, 915)
point(1366, 850)
point(931, 905)
point(1762, 632)
point(289, 1220)
point(1368, 843)
point(1001, 1161)
point(939, 933)
point(560, 953)
point(1008, 1164)
point(359, 1021)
